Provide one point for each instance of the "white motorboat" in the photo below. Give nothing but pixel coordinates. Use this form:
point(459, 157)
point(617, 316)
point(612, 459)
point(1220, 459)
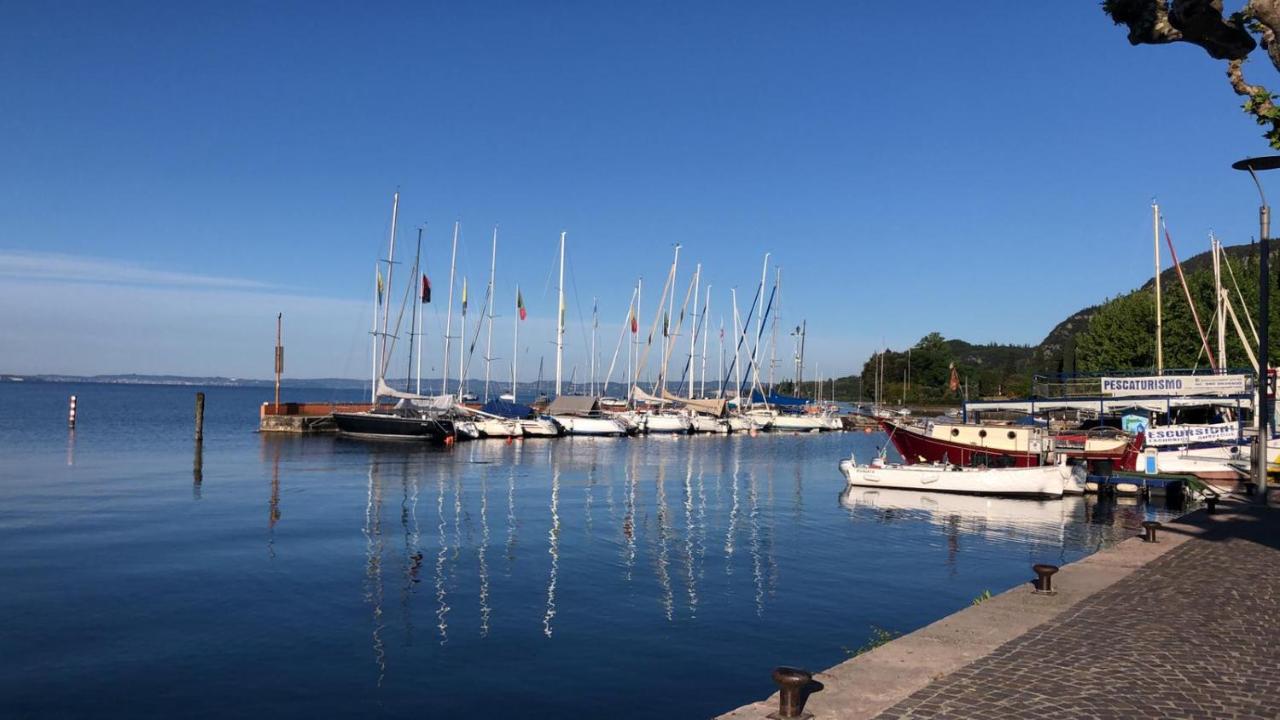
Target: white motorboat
point(742, 424)
point(1043, 481)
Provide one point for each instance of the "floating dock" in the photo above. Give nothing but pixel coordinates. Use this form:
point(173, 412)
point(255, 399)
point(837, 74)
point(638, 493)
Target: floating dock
point(1132, 483)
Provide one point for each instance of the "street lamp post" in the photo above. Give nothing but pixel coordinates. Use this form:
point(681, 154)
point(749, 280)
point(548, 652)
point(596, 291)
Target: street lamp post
point(1263, 409)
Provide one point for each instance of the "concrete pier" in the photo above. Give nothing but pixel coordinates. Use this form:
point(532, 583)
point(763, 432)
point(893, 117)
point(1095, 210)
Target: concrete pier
point(1182, 627)
point(303, 417)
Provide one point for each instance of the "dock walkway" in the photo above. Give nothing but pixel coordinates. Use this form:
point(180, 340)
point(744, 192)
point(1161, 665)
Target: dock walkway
point(1188, 627)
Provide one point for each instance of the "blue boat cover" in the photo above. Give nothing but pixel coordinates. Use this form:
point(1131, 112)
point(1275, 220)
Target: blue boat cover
point(780, 400)
point(505, 409)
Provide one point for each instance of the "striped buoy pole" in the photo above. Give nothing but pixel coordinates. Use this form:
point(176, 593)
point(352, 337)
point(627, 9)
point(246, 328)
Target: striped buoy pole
point(71, 414)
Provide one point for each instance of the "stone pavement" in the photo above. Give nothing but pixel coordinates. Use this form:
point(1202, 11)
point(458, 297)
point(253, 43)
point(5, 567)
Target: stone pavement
point(1188, 627)
point(1193, 634)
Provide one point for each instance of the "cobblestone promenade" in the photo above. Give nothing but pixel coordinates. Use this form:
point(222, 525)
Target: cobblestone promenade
point(1193, 634)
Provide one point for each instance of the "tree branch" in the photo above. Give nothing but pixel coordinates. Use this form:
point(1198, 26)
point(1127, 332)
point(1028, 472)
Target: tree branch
point(1199, 22)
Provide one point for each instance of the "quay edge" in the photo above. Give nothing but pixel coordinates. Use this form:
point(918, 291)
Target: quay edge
point(868, 684)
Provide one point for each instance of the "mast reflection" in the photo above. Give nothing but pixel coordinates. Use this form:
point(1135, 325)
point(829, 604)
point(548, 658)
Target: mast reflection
point(442, 604)
point(373, 565)
point(664, 533)
point(553, 549)
point(481, 552)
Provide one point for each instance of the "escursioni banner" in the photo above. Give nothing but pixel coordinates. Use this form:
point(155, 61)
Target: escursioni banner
point(1188, 434)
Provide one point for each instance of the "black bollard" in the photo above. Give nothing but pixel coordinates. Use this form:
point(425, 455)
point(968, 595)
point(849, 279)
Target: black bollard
point(199, 417)
point(1149, 529)
point(1044, 578)
point(791, 681)
point(1211, 504)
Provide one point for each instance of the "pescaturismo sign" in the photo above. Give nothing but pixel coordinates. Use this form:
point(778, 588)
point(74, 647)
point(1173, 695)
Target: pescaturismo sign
point(1188, 434)
point(1175, 385)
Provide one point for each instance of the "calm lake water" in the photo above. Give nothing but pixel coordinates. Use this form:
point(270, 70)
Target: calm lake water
point(320, 576)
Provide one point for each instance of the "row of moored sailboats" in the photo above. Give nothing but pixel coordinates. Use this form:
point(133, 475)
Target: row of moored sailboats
point(693, 407)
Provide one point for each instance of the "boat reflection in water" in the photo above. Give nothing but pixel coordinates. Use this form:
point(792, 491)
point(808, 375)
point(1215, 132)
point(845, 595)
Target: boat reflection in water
point(989, 517)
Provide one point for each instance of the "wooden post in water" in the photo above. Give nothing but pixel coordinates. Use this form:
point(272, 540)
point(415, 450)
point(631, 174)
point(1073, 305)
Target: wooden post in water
point(199, 417)
point(71, 414)
point(279, 360)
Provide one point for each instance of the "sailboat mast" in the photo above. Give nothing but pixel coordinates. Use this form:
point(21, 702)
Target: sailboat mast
point(391, 259)
point(462, 341)
point(706, 307)
point(515, 348)
point(720, 372)
point(488, 346)
point(448, 313)
point(693, 331)
point(1155, 233)
point(421, 299)
point(773, 341)
point(635, 342)
point(595, 324)
point(736, 365)
point(560, 322)
point(666, 326)
point(377, 298)
point(414, 321)
point(755, 350)
point(1216, 247)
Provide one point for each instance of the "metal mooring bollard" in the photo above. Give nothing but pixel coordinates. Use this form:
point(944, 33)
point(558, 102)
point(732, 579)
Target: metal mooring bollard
point(1211, 504)
point(71, 413)
point(790, 682)
point(1044, 578)
point(1150, 527)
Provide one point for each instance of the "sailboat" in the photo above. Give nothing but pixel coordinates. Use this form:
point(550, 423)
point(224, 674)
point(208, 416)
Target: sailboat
point(495, 420)
point(576, 415)
point(414, 416)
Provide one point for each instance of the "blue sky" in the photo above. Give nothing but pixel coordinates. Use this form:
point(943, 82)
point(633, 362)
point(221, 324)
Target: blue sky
point(171, 176)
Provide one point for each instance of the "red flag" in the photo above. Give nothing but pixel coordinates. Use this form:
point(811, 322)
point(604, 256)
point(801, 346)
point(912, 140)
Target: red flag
point(426, 289)
point(954, 384)
point(520, 304)
point(635, 324)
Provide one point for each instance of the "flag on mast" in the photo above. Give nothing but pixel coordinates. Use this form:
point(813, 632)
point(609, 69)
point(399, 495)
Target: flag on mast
point(520, 304)
point(464, 294)
point(954, 384)
point(426, 289)
point(635, 324)
point(378, 273)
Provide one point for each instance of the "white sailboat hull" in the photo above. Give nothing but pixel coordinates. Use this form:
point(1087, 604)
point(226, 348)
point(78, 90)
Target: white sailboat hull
point(660, 423)
point(574, 425)
point(798, 423)
point(704, 424)
point(539, 427)
point(739, 423)
point(1044, 481)
point(499, 428)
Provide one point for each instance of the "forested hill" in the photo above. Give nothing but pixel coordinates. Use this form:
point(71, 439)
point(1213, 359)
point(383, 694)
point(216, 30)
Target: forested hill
point(1118, 334)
